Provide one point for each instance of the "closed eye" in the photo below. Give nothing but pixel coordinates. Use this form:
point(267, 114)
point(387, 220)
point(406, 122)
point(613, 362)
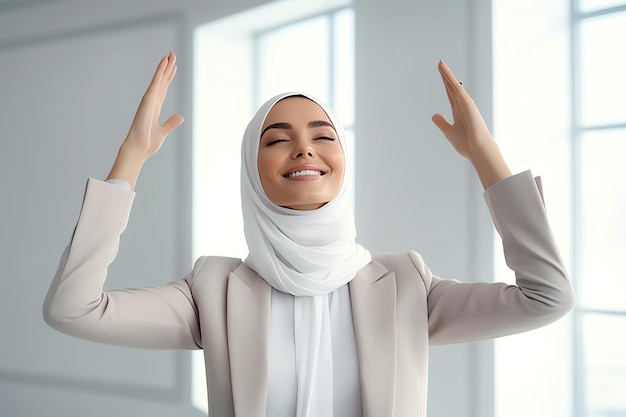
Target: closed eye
point(275, 141)
point(326, 138)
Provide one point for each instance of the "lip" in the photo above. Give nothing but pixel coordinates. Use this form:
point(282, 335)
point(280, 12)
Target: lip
point(305, 168)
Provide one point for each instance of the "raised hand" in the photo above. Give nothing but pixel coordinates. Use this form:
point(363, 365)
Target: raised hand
point(468, 133)
point(146, 135)
point(145, 132)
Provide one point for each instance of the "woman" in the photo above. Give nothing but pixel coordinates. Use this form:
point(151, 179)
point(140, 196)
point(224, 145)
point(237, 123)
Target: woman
point(309, 324)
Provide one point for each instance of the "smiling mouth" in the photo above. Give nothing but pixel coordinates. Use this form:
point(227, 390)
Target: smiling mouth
point(305, 172)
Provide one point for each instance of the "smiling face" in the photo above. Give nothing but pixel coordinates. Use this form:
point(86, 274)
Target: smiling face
point(301, 162)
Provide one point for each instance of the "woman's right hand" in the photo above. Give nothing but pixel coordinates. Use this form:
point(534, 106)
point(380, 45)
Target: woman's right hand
point(146, 135)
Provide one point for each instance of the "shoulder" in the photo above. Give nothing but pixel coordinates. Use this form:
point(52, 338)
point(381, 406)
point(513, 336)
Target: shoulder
point(400, 261)
point(411, 276)
point(213, 268)
point(406, 266)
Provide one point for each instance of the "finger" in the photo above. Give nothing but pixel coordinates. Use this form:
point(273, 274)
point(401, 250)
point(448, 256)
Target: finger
point(445, 84)
point(166, 71)
point(172, 123)
point(158, 75)
point(447, 73)
point(450, 94)
point(442, 123)
point(450, 80)
point(452, 89)
point(165, 84)
point(168, 75)
point(170, 68)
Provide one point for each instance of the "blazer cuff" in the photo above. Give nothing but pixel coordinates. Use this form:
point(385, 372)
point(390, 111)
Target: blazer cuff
point(119, 183)
point(514, 181)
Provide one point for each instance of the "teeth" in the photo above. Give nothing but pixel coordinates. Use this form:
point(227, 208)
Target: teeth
point(303, 172)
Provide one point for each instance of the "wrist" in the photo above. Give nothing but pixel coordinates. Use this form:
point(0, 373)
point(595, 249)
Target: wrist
point(128, 164)
point(489, 164)
point(488, 151)
point(130, 151)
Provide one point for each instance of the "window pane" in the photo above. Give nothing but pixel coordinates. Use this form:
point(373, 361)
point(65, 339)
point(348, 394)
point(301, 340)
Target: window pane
point(295, 58)
point(603, 65)
point(592, 5)
point(603, 222)
point(343, 93)
point(604, 345)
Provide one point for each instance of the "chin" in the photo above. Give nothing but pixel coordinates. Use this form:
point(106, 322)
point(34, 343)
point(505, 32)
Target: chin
point(304, 205)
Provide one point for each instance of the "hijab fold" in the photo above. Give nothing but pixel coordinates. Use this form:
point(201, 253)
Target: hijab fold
point(305, 253)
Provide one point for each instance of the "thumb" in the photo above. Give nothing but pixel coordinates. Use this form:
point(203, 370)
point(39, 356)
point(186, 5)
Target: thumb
point(172, 123)
point(442, 123)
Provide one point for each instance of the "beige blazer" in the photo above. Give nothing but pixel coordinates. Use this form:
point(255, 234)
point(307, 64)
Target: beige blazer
point(399, 306)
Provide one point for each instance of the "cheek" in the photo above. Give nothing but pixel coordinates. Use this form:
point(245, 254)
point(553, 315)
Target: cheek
point(267, 167)
point(339, 166)
point(264, 164)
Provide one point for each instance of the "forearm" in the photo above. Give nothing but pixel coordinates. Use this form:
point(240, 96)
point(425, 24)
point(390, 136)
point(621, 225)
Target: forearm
point(530, 250)
point(158, 317)
point(489, 164)
point(127, 165)
point(464, 312)
point(76, 291)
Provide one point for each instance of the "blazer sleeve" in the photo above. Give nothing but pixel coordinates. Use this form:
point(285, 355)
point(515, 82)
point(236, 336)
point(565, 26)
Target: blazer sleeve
point(154, 318)
point(462, 312)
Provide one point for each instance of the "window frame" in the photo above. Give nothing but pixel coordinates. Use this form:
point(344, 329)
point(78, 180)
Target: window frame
point(578, 129)
point(256, 40)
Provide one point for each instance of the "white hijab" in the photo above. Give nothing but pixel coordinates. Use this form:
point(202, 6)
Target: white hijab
point(306, 253)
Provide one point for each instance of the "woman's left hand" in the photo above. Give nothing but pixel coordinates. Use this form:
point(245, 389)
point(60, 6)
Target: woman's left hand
point(469, 133)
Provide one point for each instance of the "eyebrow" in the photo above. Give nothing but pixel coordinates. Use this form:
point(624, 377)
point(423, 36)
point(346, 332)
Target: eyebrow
point(310, 125)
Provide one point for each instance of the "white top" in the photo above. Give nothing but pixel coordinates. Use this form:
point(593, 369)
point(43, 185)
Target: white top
point(282, 385)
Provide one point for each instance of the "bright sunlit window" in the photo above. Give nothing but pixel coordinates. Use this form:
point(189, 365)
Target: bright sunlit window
point(241, 62)
point(560, 110)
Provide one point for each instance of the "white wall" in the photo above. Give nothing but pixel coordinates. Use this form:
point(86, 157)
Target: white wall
point(72, 75)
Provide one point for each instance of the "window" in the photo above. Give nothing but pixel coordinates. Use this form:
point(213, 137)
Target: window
point(313, 55)
point(599, 146)
point(559, 102)
point(239, 64)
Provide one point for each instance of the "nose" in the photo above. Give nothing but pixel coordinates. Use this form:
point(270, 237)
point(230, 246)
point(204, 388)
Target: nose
point(301, 154)
point(302, 150)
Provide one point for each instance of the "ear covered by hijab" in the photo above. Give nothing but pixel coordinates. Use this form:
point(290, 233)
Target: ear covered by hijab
point(300, 252)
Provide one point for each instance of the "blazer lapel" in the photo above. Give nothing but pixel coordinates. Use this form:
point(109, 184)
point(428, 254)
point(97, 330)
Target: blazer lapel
point(247, 320)
point(373, 296)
